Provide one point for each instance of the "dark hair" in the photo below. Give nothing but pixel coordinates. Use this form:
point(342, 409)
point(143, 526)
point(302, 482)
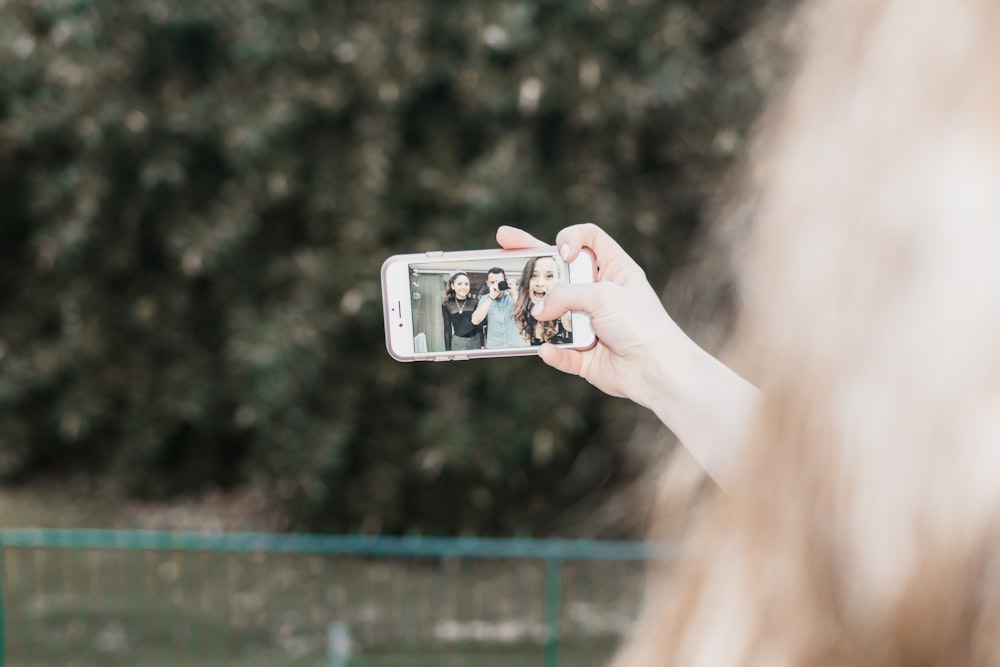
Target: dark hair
point(497, 269)
point(450, 291)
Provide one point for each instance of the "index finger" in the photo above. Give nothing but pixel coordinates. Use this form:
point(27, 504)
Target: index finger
point(607, 252)
point(590, 236)
point(512, 238)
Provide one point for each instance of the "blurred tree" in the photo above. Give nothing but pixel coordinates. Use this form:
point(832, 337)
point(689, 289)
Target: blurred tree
point(196, 199)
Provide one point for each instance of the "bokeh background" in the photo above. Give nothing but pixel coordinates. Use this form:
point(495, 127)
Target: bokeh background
point(196, 198)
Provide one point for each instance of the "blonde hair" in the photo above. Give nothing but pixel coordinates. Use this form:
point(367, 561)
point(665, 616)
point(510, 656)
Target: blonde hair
point(862, 525)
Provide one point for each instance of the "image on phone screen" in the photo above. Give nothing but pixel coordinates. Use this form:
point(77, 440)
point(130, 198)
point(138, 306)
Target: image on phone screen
point(485, 304)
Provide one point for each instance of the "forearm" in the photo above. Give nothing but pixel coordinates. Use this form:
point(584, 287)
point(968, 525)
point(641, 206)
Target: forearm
point(706, 404)
point(445, 316)
point(481, 311)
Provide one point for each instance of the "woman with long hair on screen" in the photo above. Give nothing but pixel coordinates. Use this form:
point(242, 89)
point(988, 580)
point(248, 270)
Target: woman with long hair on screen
point(539, 276)
point(459, 331)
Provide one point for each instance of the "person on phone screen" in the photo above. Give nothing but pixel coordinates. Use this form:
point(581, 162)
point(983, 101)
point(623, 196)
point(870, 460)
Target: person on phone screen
point(459, 331)
point(497, 308)
point(540, 274)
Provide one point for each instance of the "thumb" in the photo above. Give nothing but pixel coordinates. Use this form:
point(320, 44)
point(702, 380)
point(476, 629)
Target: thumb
point(587, 298)
point(567, 361)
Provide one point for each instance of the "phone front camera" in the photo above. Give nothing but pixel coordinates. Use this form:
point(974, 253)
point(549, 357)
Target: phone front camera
point(400, 324)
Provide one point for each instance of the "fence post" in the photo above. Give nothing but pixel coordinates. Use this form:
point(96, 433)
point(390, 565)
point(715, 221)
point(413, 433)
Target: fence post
point(3, 617)
point(553, 610)
point(338, 644)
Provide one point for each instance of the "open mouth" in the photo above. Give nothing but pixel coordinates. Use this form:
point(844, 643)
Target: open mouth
point(538, 294)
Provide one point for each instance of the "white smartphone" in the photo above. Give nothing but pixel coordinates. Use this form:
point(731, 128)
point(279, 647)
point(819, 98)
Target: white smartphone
point(441, 306)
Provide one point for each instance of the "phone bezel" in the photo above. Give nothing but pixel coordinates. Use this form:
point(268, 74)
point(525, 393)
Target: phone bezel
point(397, 306)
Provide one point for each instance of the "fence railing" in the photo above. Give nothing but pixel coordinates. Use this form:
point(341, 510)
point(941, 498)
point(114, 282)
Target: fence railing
point(82, 597)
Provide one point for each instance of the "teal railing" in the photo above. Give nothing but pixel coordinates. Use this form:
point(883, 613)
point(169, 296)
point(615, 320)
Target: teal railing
point(95, 597)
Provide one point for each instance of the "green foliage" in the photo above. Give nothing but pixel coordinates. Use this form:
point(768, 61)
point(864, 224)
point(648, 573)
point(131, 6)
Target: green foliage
point(196, 199)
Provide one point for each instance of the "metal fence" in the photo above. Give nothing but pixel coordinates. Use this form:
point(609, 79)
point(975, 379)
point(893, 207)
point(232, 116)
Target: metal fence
point(78, 597)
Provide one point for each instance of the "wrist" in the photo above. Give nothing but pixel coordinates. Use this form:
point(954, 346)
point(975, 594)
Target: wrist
point(709, 407)
point(670, 375)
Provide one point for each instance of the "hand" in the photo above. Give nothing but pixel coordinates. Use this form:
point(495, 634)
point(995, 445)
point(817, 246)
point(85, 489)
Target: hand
point(635, 334)
point(642, 354)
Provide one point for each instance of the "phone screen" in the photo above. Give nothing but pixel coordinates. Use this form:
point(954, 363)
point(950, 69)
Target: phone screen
point(478, 304)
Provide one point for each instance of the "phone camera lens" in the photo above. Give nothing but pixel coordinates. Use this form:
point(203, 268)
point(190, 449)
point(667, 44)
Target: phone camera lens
point(400, 324)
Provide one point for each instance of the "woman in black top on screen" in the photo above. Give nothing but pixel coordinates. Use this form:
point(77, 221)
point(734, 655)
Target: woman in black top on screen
point(459, 331)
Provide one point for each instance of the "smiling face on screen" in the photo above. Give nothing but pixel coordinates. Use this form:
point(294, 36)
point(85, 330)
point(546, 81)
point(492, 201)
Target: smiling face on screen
point(543, 278)
point(460, 284)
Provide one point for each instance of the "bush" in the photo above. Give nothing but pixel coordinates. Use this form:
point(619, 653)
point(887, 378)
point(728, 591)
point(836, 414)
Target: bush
point(197, 198)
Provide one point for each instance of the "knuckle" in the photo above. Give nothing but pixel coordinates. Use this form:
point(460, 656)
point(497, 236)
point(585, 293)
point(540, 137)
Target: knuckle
point(605, 290)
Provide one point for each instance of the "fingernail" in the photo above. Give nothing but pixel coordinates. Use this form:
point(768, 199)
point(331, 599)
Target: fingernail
point(564, 251)
point(538, 308)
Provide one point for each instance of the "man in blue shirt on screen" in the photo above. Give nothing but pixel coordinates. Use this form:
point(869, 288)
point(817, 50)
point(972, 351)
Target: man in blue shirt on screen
point(497, 308)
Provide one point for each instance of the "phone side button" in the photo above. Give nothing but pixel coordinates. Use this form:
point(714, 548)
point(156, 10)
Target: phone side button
point(434, 253)
point(458, 358)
